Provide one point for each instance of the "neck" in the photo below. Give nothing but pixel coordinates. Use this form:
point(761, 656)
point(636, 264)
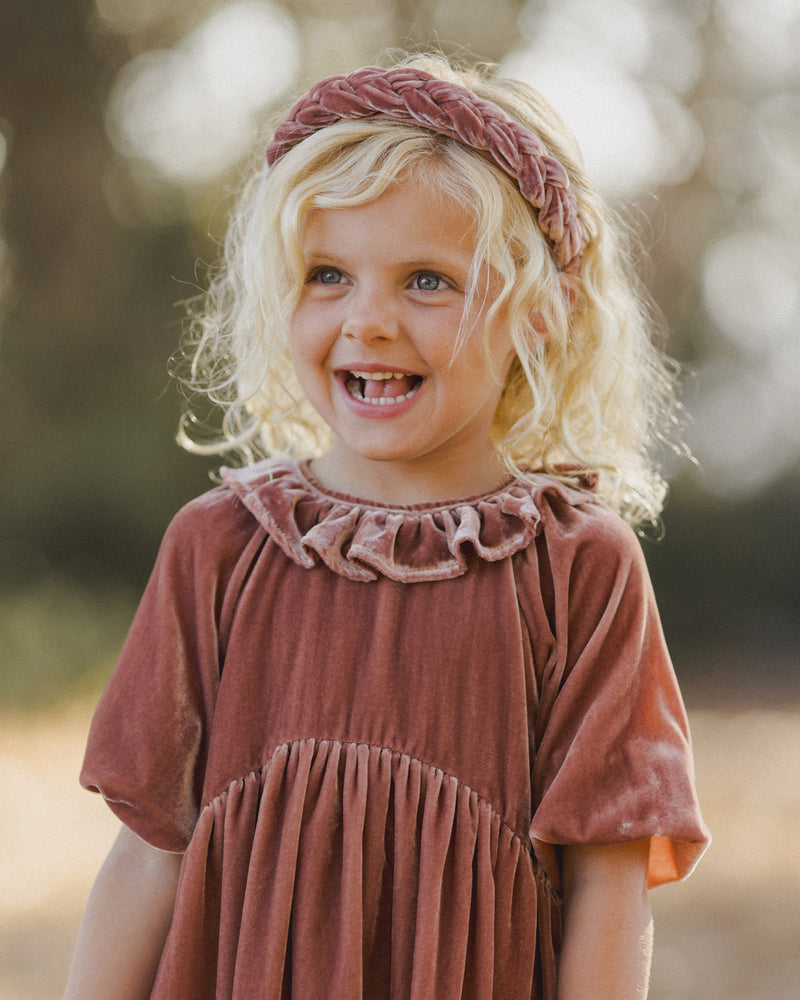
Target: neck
point(406, 483)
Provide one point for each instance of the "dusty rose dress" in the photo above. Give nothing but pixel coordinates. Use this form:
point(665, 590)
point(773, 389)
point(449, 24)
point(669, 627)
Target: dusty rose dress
point(368, 728)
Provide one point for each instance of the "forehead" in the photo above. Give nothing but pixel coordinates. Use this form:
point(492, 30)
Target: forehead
point(408, 213)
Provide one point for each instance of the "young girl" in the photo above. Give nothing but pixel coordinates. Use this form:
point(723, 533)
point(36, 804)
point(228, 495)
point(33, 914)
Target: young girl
point(396, 720)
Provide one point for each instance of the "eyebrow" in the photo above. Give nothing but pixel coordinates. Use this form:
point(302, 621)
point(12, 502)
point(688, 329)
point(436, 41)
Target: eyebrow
point(432, 262)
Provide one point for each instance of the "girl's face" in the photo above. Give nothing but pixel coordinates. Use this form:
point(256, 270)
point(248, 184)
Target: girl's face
point(372, 340)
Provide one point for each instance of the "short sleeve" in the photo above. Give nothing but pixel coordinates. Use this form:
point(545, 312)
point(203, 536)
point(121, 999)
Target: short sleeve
point(148, 740)
point(613, 759)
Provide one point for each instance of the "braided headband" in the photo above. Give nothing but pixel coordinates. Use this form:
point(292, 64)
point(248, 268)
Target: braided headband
point(414, 97)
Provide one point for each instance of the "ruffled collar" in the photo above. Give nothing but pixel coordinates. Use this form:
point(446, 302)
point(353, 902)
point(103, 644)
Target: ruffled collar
point(360, 539)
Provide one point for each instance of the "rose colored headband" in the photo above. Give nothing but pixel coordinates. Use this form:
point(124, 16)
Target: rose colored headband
point(414, 97)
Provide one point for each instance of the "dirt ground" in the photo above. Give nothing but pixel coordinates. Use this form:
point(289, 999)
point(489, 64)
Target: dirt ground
point(732, 931)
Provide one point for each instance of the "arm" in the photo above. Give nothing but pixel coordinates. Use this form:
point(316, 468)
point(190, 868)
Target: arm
point(125, 924)
point(607, 924)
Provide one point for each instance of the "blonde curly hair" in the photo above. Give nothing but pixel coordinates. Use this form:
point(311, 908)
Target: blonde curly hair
point(594, 395)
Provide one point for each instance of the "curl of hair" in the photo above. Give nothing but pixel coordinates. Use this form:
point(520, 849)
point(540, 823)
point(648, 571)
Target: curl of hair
point(588, 389)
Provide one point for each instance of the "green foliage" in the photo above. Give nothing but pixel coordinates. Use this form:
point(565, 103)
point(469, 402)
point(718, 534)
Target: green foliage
point(59, 639)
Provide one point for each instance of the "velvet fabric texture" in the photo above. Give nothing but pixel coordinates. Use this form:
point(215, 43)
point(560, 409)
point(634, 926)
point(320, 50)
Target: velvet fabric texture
point(413, 97)
point(370, 728)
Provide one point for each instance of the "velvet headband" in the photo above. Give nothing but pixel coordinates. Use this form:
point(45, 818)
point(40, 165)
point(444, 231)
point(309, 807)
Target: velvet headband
point(414, 97)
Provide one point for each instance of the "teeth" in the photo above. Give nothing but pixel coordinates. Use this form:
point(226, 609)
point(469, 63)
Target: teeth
point(389, 400)
point(355, 388)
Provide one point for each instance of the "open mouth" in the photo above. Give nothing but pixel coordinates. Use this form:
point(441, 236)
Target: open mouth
point(382, 388)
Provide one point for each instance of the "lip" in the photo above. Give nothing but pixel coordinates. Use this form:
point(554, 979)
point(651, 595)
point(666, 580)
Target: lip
point(370, 410)
point(373, 368)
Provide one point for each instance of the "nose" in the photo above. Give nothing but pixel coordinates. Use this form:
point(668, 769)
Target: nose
point(371, 314)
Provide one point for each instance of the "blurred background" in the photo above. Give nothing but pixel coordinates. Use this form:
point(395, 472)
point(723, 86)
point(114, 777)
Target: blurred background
point(123, 128)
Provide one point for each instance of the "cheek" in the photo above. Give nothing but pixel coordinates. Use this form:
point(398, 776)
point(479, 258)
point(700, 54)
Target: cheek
point(308, 353)
point(305, 341)
point(493, 358)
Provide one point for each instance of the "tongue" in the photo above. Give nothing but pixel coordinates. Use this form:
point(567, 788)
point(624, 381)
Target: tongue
point(388, 388)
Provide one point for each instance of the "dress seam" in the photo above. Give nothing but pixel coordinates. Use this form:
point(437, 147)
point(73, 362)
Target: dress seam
point(524, 840)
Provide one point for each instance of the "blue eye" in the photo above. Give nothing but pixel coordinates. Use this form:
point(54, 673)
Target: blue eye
point(328, 276)
point(427, 281)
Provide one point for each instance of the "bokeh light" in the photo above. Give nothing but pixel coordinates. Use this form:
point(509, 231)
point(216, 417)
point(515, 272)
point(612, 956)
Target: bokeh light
point(190, 111)
point(765, 35)
point(751, 286)
point(746, 421)
point(590, 60)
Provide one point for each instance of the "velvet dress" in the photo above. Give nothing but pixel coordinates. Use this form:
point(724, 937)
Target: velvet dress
point(370, 728)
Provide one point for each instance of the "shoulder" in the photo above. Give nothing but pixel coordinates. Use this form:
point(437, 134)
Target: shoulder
point(215, 514)
point(578, 519)
point(584, 545)
point(594, 586)
point(209, 533)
